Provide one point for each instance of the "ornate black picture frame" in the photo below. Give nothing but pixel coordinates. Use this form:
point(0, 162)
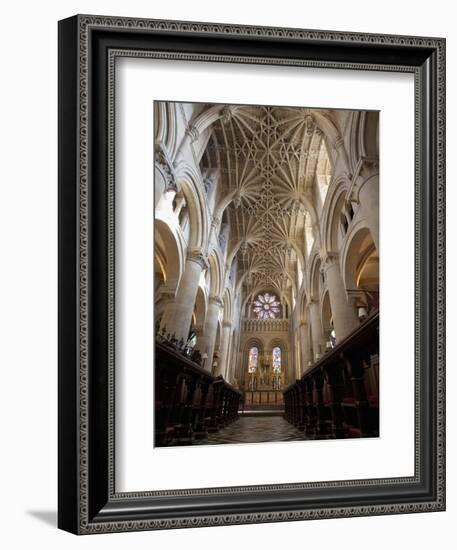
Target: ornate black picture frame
point(88, 501)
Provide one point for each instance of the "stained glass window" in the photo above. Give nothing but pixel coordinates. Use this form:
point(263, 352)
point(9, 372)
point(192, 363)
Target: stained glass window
point(266, 306)
point(276, 359)
point(253, 356)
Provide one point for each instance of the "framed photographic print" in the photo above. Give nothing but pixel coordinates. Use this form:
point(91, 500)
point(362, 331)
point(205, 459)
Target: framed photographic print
point(251, 274)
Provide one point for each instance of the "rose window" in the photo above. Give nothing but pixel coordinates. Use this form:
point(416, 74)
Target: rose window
point(267, 306)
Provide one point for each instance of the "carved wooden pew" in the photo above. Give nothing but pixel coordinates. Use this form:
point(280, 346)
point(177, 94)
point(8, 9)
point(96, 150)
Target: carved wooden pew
point(189, 401)
point(331, 399)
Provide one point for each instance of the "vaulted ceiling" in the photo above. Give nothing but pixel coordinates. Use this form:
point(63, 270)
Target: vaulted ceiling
point(268, 158)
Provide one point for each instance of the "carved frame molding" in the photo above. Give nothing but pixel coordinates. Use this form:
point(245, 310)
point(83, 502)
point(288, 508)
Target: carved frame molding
point(88, 502)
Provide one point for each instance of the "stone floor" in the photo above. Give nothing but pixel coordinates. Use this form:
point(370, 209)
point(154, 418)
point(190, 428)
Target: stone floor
point(256, 429)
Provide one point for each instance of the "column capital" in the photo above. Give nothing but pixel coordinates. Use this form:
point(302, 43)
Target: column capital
point(166, 167)
point(215, 300)
point(227, 268)
point(367, 169)
point(310, 123)
point(197, 257)
point(329, 260)
point(338, 143)
point(208, 182)
point(226, 115)
point(215, 222)
point(310, 300)
point(192, 132)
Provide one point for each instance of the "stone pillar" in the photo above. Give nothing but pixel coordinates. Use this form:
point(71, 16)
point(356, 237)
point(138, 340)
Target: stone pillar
point(316, 329)
point(223, 366)
point(344, 315)
point(369, 205)
point(295, 343)
point(237, 358)
point(288, 368)
point(231, 358)
point(177, 316)
point(209, 331)
point(305, 348)
point(229, 367)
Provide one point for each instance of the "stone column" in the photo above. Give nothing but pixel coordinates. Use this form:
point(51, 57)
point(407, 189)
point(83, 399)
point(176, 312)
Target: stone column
point(344, 315)
point(305, 347)
point(316, 329)
point(231, 358)
point(223, 366)
point(209, 331)
point(295, 344)
point(369, 205)
point(177, 316)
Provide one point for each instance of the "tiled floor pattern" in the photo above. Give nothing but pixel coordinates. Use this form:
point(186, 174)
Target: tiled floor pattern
point(255, 429)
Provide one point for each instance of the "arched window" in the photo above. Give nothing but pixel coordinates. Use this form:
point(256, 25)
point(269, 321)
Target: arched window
point(276, 359)
point(267, 306)
point(253, 357)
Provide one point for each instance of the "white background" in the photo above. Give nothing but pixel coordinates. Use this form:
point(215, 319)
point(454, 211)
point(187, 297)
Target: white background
point(29, 273)
point(139, 466)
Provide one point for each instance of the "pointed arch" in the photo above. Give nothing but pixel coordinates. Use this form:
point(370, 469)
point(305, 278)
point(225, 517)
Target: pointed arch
point(326, 314)
point(254, 341)
point(314, 283)
point(359, 247)
point(303, 308)
point(189, 181)
point(216, 270)
point(228, 305)
point(331, 214)
point(171, 252)
point(277, 342)
point(333, 140)
point(200, 308)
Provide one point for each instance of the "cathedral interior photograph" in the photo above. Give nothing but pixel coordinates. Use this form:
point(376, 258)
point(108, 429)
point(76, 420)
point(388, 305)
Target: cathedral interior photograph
point(266, 273)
